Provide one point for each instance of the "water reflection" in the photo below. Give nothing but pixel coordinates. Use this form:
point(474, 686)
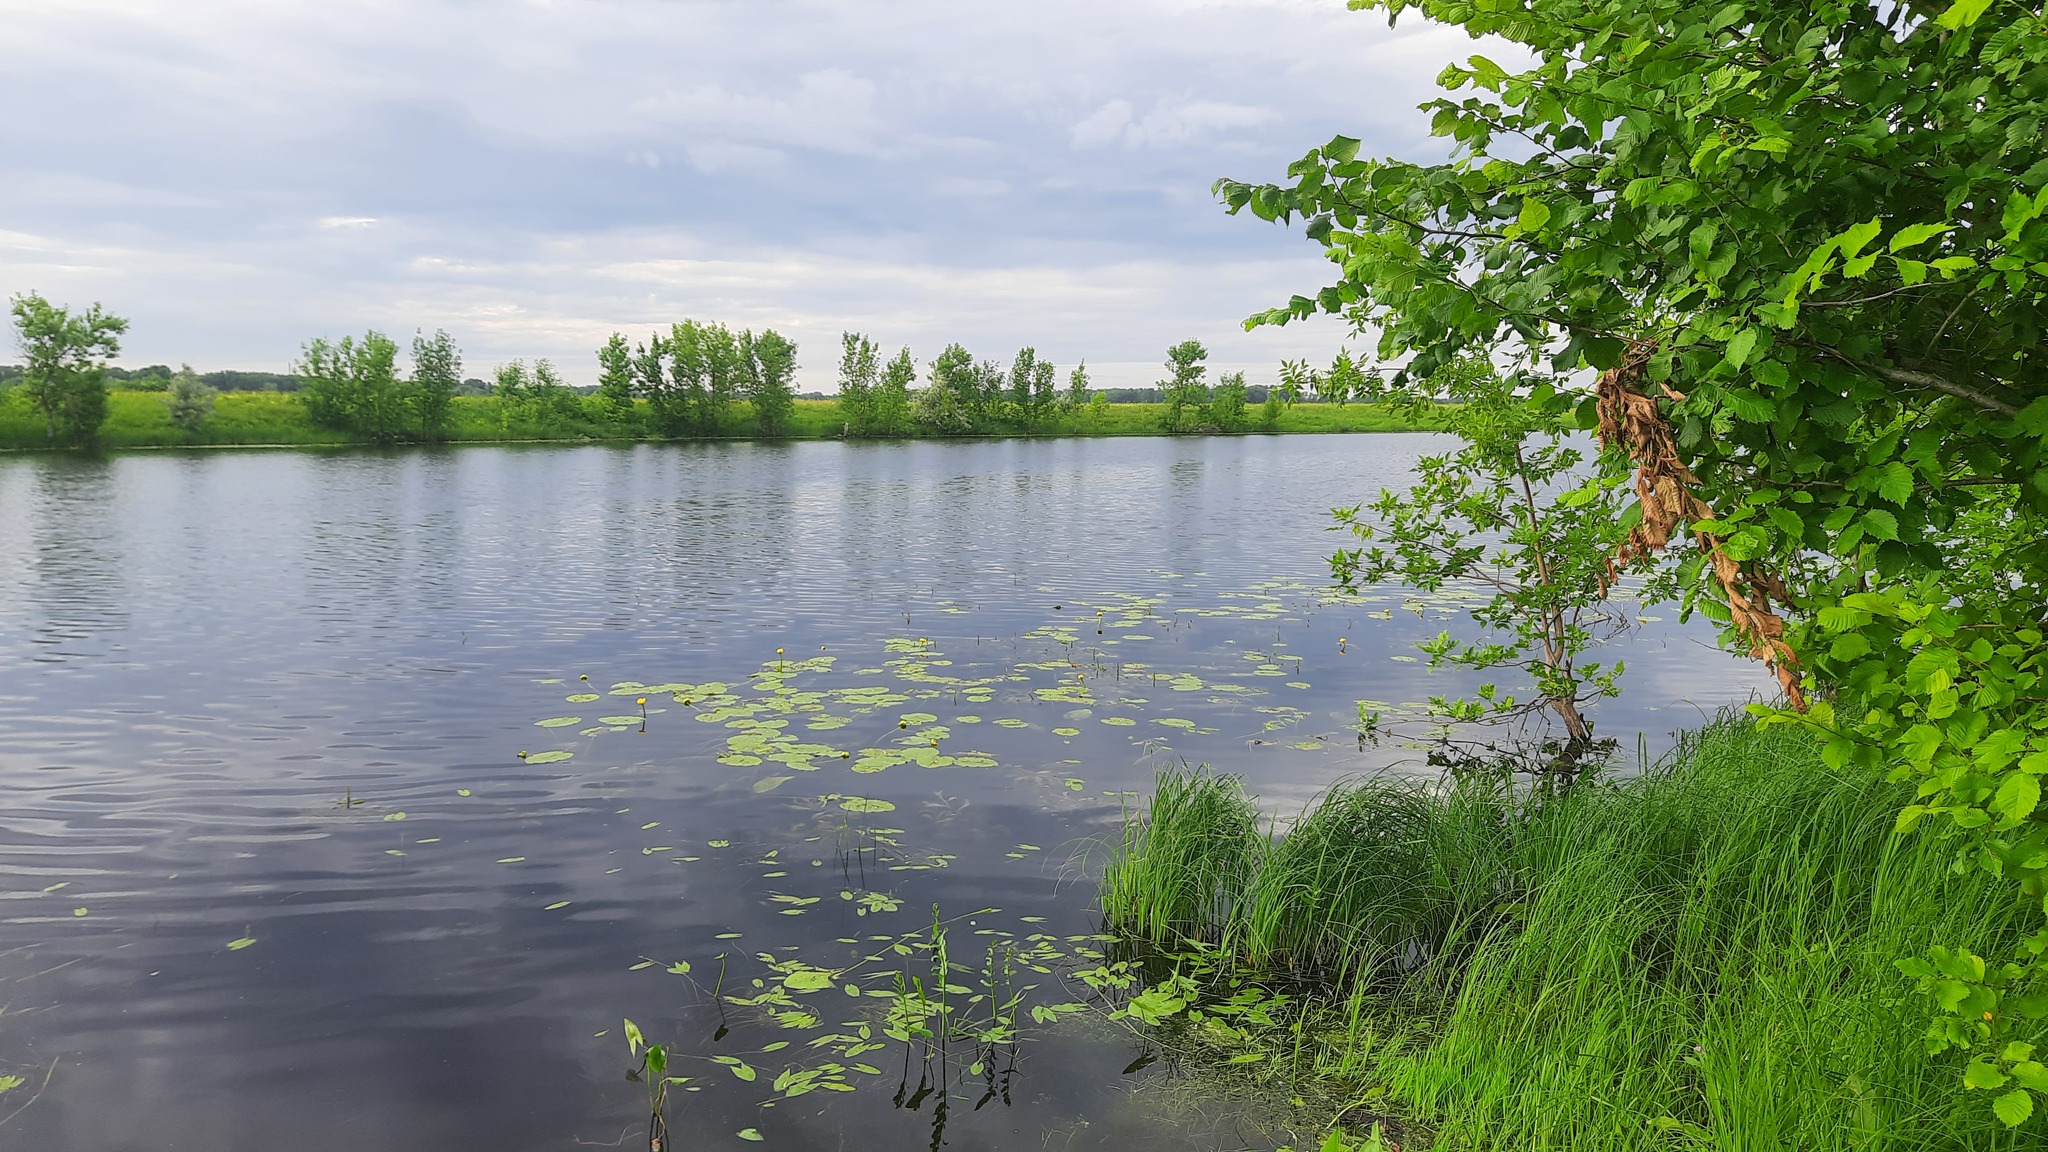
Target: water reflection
point(205, 659)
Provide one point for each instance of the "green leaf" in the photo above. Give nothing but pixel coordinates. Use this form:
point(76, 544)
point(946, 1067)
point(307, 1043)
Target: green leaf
point(2018, 795)
point(2013, 1108)
point(1740, 346)
point(1857, 235)
point(753, 1134)
point(1340, 149)
point(1961, 14)
point(1983, 1074)
point(1880, 523)
point(1916, 234)
point(1535, 214)
point(1897, 482)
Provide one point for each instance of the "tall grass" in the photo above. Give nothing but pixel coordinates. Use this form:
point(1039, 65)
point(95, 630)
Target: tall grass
point(1701, 957)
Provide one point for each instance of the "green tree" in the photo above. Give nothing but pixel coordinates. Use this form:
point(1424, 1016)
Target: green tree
point(1184, 389)
point(1806, 249)
point(892, 415)
point(771, 381)
point(65, 371)
point(353, 386)
point(436, 377)
point(1077, 387)
point(1226, 406)
point(728, 375)
point(555, 404)
point(615, 379)
point(1045, 400)
point(1520, 511)
point(666, 404)
point(950, 403)
point(860, 369)
point(1342, 382)
point(1023, 370)
point(190, 401)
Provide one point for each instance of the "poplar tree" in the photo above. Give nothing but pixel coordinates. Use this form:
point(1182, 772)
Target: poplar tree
point(773, 370)
point(436, 375)
point(690, 374)
point(1183, 389)
point(727, 371)
point(892, 396)
point(859, 372)
point(615, 379)
point(1022, 370)
point(652, 381)
point(1077, 386)
point(1044, 391)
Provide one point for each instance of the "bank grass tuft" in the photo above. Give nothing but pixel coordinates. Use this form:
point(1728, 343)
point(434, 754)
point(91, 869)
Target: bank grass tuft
point(1702, 956)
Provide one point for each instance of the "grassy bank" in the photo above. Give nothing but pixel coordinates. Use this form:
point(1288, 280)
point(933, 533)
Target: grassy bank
point(1699, 958)
point(142, 420)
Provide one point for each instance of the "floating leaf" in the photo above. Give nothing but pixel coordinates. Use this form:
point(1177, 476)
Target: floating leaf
point(1119, 721)
point(771, 783)
point(561, 721)
point(238, 945)
point(1066, 731)
point(556, 906)
point(865, 804)
point(581, 698)
point(549, 757)
point(750, 1133)
point(512, 860)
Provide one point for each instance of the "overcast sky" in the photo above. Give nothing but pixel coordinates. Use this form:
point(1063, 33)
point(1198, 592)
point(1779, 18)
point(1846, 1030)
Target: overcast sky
point(237, 176)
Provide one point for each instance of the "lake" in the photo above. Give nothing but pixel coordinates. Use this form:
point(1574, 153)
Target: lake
point(294, 858)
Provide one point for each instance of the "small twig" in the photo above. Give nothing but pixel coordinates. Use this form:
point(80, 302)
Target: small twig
point(38, 1096)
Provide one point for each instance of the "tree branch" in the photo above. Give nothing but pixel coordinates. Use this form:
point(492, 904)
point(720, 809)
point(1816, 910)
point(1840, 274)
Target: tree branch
point(1981, 399)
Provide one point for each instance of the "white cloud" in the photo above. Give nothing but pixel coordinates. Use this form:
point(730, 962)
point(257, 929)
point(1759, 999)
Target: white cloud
point(238, 175)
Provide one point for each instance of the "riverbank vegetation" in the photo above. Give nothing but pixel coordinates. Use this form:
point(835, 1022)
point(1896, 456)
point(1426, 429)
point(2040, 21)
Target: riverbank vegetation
point(1702, 956)
point(145, 420)
point(694, 382)
point(1789, 267)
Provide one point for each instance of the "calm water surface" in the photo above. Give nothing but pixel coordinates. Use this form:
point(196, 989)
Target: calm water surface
point(276, 876)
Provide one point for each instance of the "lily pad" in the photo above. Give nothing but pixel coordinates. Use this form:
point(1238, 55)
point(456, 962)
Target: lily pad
point(549, 757)
point(561, 721)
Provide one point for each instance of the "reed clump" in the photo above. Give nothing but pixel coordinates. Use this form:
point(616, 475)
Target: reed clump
point(1699, 957)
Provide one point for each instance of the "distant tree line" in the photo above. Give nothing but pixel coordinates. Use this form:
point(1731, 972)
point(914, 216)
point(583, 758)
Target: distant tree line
point(694, 376)
point(692, 379)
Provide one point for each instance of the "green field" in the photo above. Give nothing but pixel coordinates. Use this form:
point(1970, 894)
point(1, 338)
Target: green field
point(142, 420)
